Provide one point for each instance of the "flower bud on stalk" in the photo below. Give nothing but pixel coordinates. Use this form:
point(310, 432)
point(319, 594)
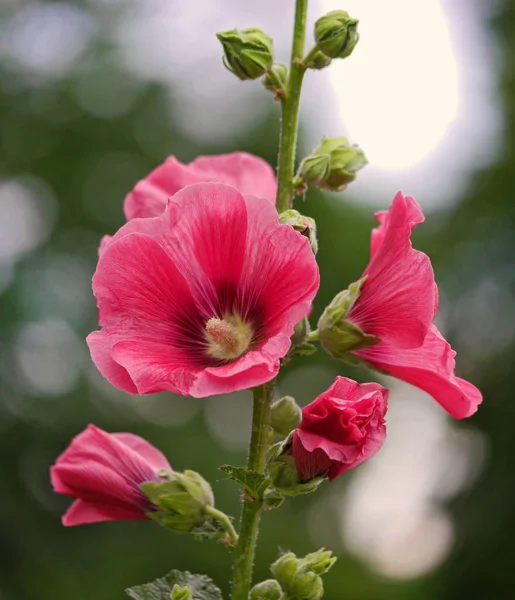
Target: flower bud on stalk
point(332, 165)
point(248, 53)
point(181, 500)
point(300, 577)
point(266, 590)
point(286, 415)
point(304, 225)
point(336, 34)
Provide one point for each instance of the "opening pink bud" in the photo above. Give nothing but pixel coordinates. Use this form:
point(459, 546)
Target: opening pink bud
point(339, 430)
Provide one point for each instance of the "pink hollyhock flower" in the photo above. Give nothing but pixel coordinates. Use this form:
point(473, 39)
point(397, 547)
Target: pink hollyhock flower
point(398, 303)
point(247, 173)
point(203, 299)
point(342, 428)
point(103, 472)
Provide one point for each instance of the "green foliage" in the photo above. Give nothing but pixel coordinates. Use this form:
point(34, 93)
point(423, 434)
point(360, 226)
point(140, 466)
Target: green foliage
point(201, 586)
point(253, 482)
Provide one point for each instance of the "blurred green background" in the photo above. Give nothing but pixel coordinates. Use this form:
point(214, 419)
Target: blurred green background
point(92, 98)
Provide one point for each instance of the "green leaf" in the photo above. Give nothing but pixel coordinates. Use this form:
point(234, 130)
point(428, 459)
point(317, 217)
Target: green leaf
point(202, 587)
point(254, 483)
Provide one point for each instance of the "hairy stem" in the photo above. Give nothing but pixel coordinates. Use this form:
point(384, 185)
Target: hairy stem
point(290, 111)
point(225, 521)
point(260, 438)
point(251, 511)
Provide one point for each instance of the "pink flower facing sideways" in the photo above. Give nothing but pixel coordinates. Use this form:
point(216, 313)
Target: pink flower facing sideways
point(247, 173)
point(398, 303)
point(103, 472)
point(342, 428)
point(202, 299)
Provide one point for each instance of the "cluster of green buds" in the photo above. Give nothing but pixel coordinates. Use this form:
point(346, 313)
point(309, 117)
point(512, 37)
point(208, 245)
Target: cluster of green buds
point(332, 165)
point(183, 501)
point(298, 578)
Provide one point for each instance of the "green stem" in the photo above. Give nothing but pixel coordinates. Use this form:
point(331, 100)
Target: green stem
point(251, 510)
point(290, 111)
point(225, 521)
point(313, 336)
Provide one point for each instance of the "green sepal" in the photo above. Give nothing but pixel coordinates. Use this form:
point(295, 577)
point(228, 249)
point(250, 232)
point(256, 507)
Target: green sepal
point(283, 472)
point(180, 502)
point(339, 337)
point(253, 482)
point(201, 587)
point(272, 499)
point(248, 53)
point(336, 34)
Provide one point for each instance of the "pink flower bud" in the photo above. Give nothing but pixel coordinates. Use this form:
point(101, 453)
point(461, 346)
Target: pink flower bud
point(340, 429)
point(103, 472)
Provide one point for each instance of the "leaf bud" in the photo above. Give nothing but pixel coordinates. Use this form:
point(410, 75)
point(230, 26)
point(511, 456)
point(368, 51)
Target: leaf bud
point(304, 225)
point(332, 165)
point(248, 53)
point(285, 569)
point(286, 415)
point(336, 34)
point(307, 586)
point(181, 501)
point(180, 592)
point(266, 590)
point(319, 562)
point(337, 336)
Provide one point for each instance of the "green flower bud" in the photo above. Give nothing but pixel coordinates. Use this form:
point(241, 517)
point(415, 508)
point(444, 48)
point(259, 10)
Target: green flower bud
point(332, 165)
point(275, 80)
point(336, 34)
point(337, 336)
point(181, 593)
point(286, 415)
point(304, 225)
point(248, 53)
point(266, 590)
point(317, 60)
point(319, 562)
point(285, 570)
point(181, 501)
point(308, 586)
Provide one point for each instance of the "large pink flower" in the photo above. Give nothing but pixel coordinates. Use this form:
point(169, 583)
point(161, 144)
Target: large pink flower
point(398, 303)
point(103, 472)
point(342, 428)
point(203, 299)
point(247, 173)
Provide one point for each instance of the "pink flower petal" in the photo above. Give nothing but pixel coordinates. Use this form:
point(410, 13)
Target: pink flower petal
point(397, 302)
point(81, 513)
point(154, 457)
point(245, 172)
point(100, 347)
point(430, 368)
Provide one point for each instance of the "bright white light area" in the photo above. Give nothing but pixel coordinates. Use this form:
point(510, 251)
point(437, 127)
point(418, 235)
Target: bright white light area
point(47, 38)
point(392, 516)
point(399, 90)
